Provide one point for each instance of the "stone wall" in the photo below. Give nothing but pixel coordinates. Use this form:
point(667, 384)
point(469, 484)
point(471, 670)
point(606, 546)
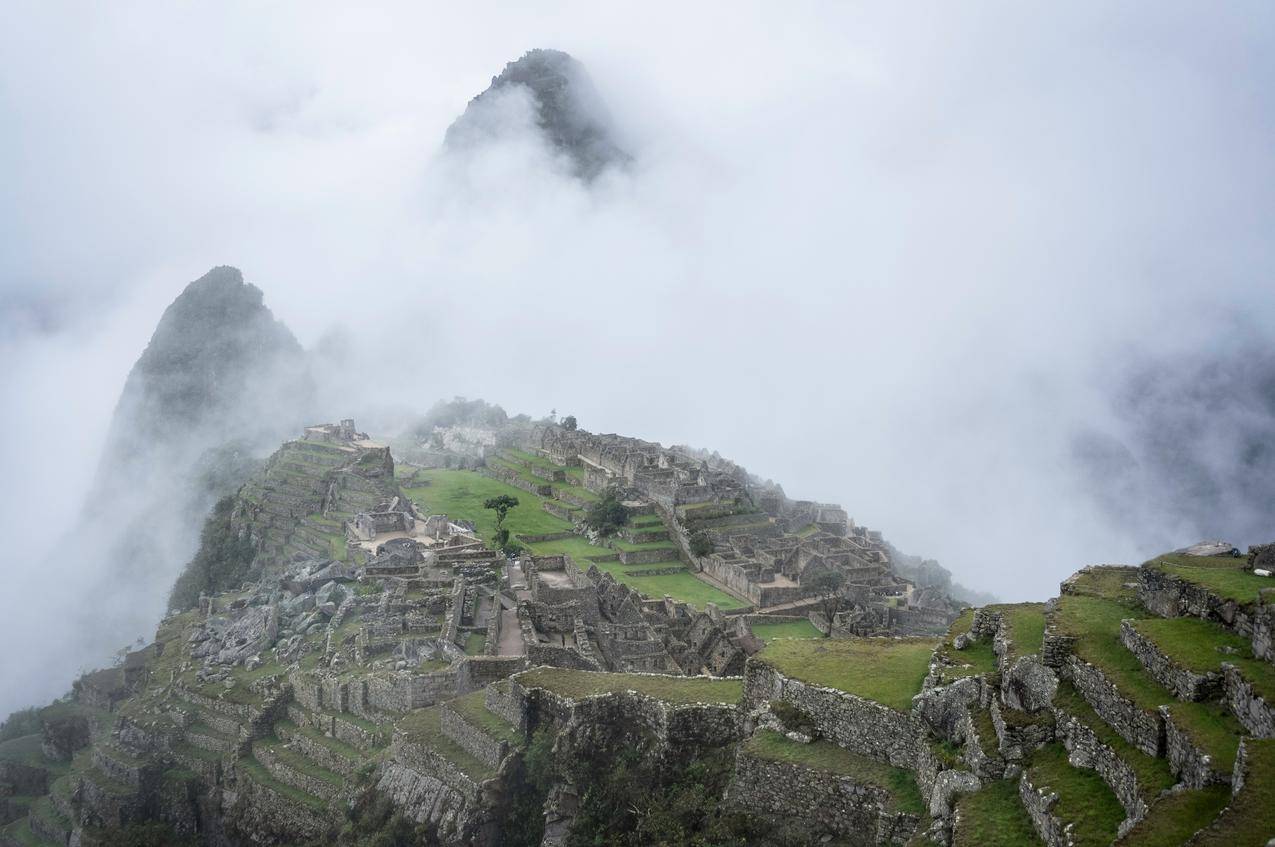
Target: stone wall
point(402, 691)
point(1191, 764)
point(1039, 805)
point(859, 725)
point(1252, 710)
point(480, 745)
point(827, 804)
point(1142, 729)
point(1185, 684)
point(1169, 597)
point(266, 816)
point(1087, 751)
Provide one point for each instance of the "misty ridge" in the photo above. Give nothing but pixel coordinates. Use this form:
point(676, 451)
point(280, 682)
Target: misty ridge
point(808, 294)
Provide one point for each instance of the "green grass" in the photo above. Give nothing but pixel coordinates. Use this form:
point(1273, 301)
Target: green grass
point(475, 642)
point(977, 657)
point(1153, 774)
point(460, 495)
point(258, 773)
point(887, 670)
point(300, 763)
point(24, 750)
point(670, 689)
point(993, 817)
point(1177, 817)
point(1095, 623)
point(577, 547)
point(425, 726)
point(538, 461)
point(829, 758)
point(793, 629)
point(1026, 625)
point(20, 831)
point(472, 709)
point(336, 745)
point(1223, 575)
point(684, 587)
point(1083, 798)
point(1108, 582)
point(1250, 818)
point(629, 547)
point(1199, 645)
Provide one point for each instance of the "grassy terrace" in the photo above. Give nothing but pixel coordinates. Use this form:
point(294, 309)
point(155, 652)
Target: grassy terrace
point(1083, 798)
point(1095, 623)
point(1223, 575)
point(460, 494)
point(533, 459)
point(1153, 774)
point(829, 758)
point(1202, 646)
point(670, 689)
point(993, 817)
point(977, 658)
point(471, 708)
point(1177, 817)
point(1109, 582)
point(425, 726)
point(887, 670)
point(1250, 819)
point(787, 629)
point(1026, 625)
point(475, 642)
point(258, 774)
point(300, 763)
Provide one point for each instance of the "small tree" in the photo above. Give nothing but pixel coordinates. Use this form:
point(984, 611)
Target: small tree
point(501, 506)
point(607, 515)
point(569, 423)
point(827, 586)
point(701, 544)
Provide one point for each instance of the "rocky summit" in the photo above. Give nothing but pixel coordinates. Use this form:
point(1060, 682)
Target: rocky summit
point(496, 631)
point(568, 112)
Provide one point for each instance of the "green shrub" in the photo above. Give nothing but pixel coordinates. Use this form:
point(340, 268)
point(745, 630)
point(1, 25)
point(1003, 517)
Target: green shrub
point(607, 515)
point(701, 544)
point(223, 561)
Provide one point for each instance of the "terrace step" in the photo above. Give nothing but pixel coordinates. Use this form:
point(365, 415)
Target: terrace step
point(293, 769)
point(324, 751)
point(1175, 817)
point(255, 771)
point(993, 816)
point(48, 823)
point(119, 764)
point(481, 733)
point(1069, 805)
point(1247, 819)
point(19, 834)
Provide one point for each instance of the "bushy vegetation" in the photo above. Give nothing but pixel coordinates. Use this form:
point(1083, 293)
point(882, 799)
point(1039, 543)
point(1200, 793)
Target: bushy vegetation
point(701, 544)
point(608, 515)
point(223, 562)
point(460, 411)
point(20, 723)
point(371, 821)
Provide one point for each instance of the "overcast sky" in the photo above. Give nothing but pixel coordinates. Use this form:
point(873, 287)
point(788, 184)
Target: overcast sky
point(893, 257)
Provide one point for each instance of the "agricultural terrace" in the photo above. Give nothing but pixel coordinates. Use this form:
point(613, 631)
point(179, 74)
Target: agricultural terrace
point(889, 671)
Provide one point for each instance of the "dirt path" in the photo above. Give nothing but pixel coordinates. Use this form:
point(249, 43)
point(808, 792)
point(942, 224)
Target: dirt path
point(510, 635)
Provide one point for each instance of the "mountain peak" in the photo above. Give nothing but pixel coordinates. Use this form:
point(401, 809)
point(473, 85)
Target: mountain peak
point(568, 110)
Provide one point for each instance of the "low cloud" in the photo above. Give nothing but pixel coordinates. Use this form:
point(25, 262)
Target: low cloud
point(905, 261)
